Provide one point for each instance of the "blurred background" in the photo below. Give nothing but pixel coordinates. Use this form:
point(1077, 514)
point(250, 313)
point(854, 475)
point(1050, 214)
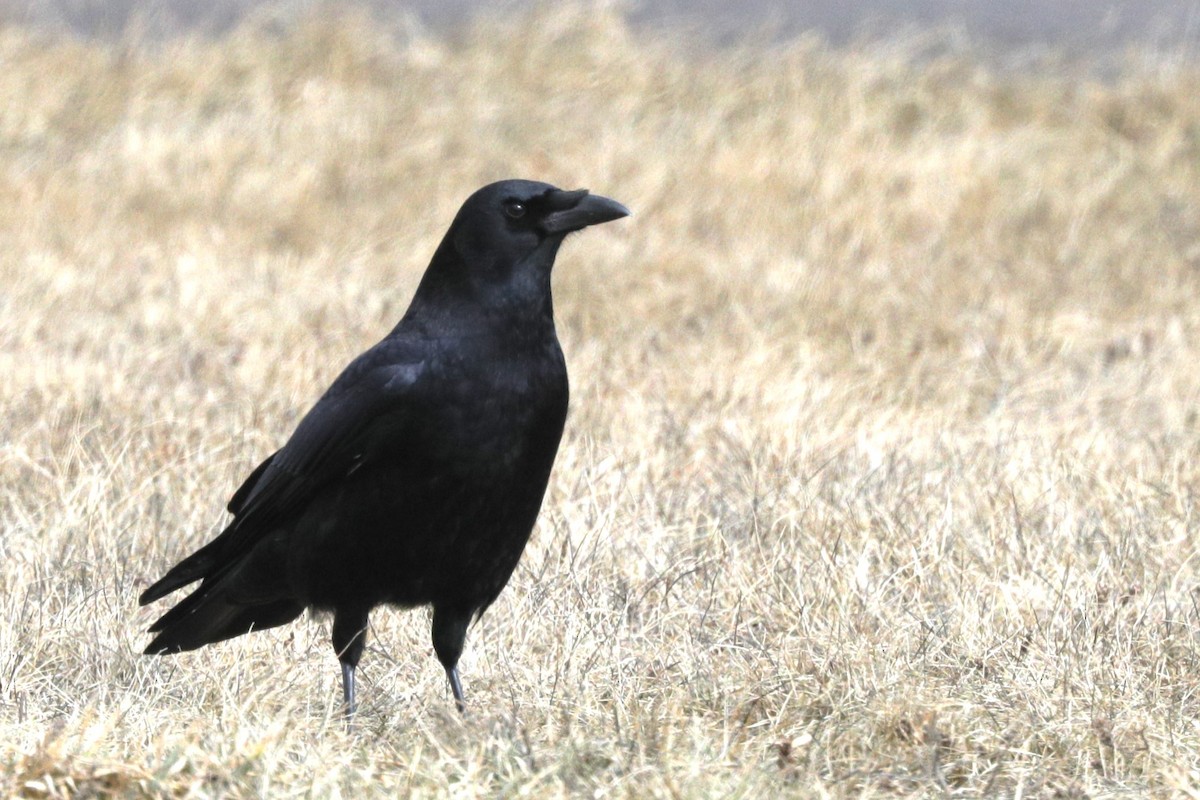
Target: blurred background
point(1079, 26)
point(882, 472)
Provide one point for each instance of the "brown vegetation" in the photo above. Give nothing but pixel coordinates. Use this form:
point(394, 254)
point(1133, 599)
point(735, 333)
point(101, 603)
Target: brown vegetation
point(881, 471)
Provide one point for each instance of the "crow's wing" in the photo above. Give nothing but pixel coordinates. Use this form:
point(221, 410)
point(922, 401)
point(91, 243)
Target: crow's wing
point(239, 497)
point(365, 408)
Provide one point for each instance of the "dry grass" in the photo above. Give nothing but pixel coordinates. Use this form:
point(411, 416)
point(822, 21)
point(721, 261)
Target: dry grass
point(881, 473)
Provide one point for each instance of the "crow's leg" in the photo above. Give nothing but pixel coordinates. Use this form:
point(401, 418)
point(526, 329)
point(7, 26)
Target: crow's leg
point(349, 639)
point(449, 634)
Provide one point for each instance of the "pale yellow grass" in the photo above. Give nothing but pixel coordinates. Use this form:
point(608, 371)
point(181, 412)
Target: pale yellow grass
point(881, 472)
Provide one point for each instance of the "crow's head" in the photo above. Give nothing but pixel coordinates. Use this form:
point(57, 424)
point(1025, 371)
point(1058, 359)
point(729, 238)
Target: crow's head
point(518, 216)
point(500, 249)
point(506, 224)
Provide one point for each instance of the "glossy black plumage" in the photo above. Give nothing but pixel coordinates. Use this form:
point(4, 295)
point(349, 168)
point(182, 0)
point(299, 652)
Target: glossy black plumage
point(416, 479)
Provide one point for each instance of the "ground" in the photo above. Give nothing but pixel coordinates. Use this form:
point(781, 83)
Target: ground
point(881, 472)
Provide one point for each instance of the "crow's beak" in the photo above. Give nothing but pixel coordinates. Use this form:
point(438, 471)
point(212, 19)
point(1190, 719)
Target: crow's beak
point(589, 209)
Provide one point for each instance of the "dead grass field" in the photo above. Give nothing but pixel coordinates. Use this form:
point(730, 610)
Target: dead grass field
point(882, 466)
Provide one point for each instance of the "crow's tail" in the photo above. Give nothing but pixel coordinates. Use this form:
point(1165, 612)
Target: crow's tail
point(251, 593)
point(213, 618)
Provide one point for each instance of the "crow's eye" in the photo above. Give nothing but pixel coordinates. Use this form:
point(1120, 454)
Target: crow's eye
point(514, 209)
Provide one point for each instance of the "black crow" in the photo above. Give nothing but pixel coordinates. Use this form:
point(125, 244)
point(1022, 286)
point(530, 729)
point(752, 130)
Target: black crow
point(417, 477)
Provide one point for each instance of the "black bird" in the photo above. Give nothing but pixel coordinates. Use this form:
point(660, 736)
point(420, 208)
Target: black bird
point(416, 479)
